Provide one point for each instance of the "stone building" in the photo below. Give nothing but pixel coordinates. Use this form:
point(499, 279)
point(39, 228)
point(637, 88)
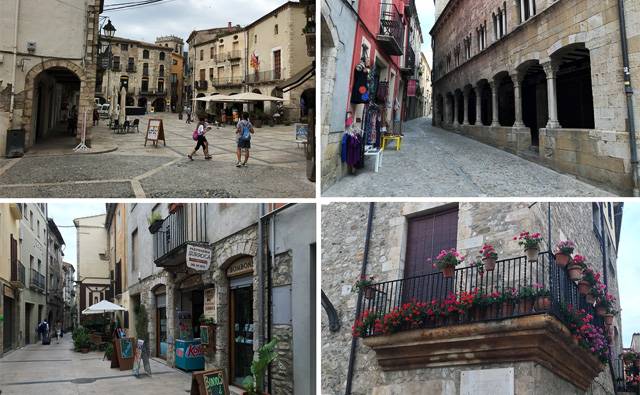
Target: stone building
point(55, 303)
point(117, 247)
point(261, 259)
point(143, 69)
point(451, 356)
point(92, 268)
point(12, 276)
point(68, 296)
point(424, 97)
point(45, 72)
point(542, 79)
point(176, 77)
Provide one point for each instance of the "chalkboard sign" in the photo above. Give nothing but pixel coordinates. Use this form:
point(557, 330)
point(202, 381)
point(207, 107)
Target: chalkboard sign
point(209, 382)
point(155, 132)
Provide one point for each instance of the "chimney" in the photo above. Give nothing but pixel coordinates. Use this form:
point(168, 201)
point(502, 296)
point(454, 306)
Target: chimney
point(229, 26)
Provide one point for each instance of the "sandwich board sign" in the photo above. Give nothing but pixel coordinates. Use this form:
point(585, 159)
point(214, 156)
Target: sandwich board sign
point(209, 382)
point(155, 132)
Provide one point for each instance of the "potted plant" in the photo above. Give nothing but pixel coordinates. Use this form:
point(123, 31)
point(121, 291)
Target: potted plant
point(507, 301)
point(527, 296)
point(365, 284)
point(609, 315)
point(576, 267)
point(604, 304)
point(81, 339)
point(447, 261)
point(489, 257)
point(589, 279)
point(531, 243)
point(155, 222)
point(563, 252)
point(266, 354)
point(108, 352)
point(173, 207)
point(543, 298)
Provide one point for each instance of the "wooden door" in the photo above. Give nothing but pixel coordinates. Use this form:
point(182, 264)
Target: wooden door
point(426, 237)
point(277, 64)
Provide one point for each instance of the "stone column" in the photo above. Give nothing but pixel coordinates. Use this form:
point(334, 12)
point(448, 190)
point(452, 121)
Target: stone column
point(455, 110)
point(550, 70)
point(466, 107)
point(478, 106)
point(517, 93)
point(494, 97)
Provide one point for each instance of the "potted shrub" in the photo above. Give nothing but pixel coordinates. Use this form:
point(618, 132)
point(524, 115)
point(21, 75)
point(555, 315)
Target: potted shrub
point(364, 284)
point(527, 296)
point(507, 301)
point(563, 252)
point(604, 304)
point(81, 339)
point(447, 261)
point(155, 222)
point(589, 279)
point(543, 298)
point(531, 244)
point(489, 257)
point(576, 267)
point(266, 354)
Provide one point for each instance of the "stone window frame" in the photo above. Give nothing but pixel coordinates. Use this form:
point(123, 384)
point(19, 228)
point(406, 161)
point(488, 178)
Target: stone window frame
point(145, 54)
point(527, 9)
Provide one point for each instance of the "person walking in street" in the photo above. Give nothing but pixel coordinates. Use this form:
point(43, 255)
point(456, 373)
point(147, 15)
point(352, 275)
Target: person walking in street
point(39, 330)
point(199, 136)
point(244, 130)
point(188, 115)
point(58, 329)
point(96, 117)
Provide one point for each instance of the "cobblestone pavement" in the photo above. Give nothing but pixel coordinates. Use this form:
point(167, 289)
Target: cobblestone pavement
point(277, 167)
point(57, 370)
point(437, 163)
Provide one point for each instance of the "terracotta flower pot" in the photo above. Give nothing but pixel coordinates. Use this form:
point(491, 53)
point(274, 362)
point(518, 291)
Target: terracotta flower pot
point(532, 254)
point(543, 303)
point(591, 299)
point(476, 313)
point(369, 293)
point(448, 271)
point(454, 318)
point(608, 319)
point(584, 287)
point(601, 311)
point(562, 260)
point(489, 264)
point(574, 272)
point(507, 309)
point(491, 311)
point(527, 305)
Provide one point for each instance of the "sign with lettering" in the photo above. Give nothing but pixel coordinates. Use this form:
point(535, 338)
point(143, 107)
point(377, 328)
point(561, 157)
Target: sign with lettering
point(198, 258)
point(302, 131)
point(412, 86)
point(209, 309)
point(194, 351)
point(240, 267)
point(123, 357)
point(209, 382)
point(487, 381)
point(137, 361)
point(155, 132)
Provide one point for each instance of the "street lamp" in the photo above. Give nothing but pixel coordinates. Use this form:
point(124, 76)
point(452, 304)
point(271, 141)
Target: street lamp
point(109, 31)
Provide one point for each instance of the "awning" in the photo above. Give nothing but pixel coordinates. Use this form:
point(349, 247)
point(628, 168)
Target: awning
point(102, 307)
point(299, 78)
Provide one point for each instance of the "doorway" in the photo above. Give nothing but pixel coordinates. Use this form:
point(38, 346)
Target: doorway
point(241, 328)
point(7, 337)
point(28, 312)
point(161, 325)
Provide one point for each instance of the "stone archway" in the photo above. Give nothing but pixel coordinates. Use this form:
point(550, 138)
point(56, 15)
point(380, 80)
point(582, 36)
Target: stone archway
point(85, 102)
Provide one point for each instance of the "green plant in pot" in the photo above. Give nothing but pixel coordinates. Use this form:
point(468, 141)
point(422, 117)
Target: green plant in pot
point(155, 222)
point(364, 284)
point(531, 244)
point(563, 252)
point(576, 268)
point(266, 354)
point(81, 339)
point(108, 352)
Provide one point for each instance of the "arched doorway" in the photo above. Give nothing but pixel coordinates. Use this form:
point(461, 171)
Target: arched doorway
point(241, 321)
point(574, 92)
point(142, 102)
point(506, 99)
point(56, 101)
point(307, 102)
point(535, 111)
point(130, 101)
point(158, 105)
point(486, 103)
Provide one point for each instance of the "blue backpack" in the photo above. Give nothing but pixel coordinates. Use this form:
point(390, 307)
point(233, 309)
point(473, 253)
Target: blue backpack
point(246, 131)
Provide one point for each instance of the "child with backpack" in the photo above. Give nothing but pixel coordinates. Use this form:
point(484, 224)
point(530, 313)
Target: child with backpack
point(198, 135)
point(244, 131)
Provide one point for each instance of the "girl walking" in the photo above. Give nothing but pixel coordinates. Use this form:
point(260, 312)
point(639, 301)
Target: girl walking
point(198, 135)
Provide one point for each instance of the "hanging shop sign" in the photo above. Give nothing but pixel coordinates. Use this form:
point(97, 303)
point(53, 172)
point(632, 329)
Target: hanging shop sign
point(198, 258)
point(209, 309)
point(412, 86)
point(240, 267)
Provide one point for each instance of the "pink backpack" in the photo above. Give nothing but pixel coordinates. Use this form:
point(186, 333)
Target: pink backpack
point(195, 134)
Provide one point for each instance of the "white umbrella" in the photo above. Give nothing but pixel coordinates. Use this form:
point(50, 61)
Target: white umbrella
point(112, 104)
point(103, 307)
point(216, 98)
point(123, 106)
point(251, 96)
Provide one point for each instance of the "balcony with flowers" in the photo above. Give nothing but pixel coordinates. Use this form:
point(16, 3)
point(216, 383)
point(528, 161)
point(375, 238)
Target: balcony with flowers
point(527, 308)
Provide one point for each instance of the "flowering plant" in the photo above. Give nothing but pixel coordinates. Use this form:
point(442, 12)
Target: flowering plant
point(528, 240)
point(364, 323)
point(629, 356)
point(579, 260)
point(486, 299)
point(540, 291)
point(478, 264)
point(527, 292)
point(589, 336)
point(565, 247)
point(591, 277)
point(607, 301)
point(363, 283)
point(488, 252)
point(450, 258)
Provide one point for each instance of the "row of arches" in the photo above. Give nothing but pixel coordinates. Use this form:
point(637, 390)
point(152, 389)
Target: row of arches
point(554, 94)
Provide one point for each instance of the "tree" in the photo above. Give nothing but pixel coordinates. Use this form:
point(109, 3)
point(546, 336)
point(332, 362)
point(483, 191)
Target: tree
point(142, 326)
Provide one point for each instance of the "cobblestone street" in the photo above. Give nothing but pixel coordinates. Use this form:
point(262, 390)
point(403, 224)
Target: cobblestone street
point(123, 167)
point(437, 163)
point(57, 370)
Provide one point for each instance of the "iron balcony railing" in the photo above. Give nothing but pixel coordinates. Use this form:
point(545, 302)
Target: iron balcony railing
point(226, 81)
point(18, 272)
point(410, 59)
point(265, 76)
point(509, 274)
point(391, 28)
point(202, 84)
point(623, 374)
point(233, 55)
point(187, 224)
point(37, 280)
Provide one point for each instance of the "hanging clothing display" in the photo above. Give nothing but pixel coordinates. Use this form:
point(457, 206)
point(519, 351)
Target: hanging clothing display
point(352, 149)
point(360, 92)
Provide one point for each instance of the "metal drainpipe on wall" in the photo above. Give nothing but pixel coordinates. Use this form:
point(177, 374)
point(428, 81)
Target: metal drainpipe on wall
point(15, 65)
point(363, 272)
point(628, 90)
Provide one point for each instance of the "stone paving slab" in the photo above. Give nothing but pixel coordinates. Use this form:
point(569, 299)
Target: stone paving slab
point(437, 163)
point(114, 189)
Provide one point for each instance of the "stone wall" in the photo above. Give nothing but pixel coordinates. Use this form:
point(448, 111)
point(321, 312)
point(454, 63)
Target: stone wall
point(282, 369)
point(343, 237)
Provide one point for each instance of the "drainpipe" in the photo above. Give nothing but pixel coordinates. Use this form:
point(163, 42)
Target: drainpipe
point(15, 65)
point(260, 262)
point(628, 90)
point(363, 272)
point(270, 263)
